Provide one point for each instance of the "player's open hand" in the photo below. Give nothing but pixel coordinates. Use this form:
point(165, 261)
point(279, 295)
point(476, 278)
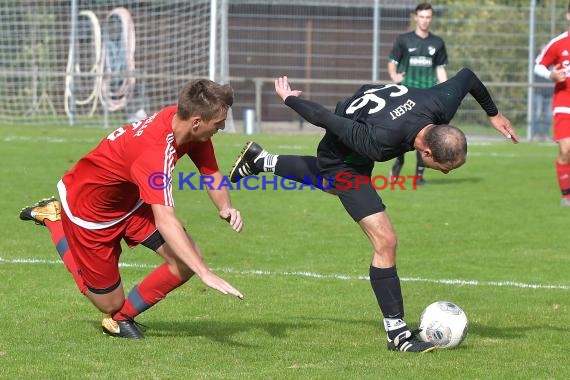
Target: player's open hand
point(283, 89)
point(233, 217)
point(218, 283)
point(503, 125)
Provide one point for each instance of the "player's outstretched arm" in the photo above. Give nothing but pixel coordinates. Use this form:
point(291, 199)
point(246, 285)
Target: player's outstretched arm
point(466, 81)
point(313, 112)
point(503, 125)
point(481, 94)
point(185, 249)
point(358, 137)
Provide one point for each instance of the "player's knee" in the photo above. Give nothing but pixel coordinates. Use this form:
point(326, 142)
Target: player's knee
point(108, 306)
point(390, 241)
point(385, 251)
point(564, 151)
point(108, 302)
point(380, 232)
point(564, 156)
point(385, 242)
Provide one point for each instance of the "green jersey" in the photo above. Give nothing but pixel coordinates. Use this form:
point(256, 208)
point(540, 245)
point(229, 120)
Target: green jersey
point(418, 58)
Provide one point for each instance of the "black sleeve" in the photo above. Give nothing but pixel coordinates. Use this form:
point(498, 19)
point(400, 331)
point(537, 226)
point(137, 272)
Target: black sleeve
point(356, 136)
point(453, 91)
point(396, 52)
point(318, 115)
point(440, 58)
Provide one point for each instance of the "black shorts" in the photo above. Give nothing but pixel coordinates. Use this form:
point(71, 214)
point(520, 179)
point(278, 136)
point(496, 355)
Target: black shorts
point(349, 171)
point(359, 198)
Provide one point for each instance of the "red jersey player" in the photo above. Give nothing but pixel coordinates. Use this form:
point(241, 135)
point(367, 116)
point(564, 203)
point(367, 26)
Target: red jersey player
point(554, 63)
point(122, 190)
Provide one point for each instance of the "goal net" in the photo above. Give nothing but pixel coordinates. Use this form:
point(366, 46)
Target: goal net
point(104, 62)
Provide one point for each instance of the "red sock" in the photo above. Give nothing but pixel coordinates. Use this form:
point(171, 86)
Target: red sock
point(563, 175)
point(60, 242)
point(152, 289)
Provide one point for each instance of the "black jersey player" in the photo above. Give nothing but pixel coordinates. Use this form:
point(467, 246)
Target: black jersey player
point(377, 123)
point(417, 59)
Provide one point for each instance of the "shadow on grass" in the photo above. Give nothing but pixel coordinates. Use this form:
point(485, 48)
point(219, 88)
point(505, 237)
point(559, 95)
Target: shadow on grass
point(478, 329)
point(519, 332)
point(217, 331)
point(452, 180)
point(223, 332)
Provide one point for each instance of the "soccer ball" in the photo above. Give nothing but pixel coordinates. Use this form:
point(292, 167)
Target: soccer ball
point(444, 324)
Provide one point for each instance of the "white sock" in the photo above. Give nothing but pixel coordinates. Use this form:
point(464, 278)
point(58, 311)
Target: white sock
point(391, 324)
point(269, 162)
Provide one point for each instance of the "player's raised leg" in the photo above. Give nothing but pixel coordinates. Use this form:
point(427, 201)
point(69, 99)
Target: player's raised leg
point(254, 160)
point(250, 161)
point(47, 212)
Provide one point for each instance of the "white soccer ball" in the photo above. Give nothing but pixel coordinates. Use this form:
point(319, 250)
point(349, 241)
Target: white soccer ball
point(444, 324)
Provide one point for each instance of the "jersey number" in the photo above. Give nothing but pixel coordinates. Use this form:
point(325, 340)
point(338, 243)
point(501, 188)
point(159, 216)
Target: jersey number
point(119, 131)
point(371, 96)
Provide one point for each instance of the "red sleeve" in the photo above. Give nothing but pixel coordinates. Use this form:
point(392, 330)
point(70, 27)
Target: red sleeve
point(548, 56)
point(152, 173)
point(203, 156)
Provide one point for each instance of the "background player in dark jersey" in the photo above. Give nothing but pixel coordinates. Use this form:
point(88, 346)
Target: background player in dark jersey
point(418, 60)
point(377, 123)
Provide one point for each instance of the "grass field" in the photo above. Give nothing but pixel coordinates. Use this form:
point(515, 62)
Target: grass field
point(490, 236)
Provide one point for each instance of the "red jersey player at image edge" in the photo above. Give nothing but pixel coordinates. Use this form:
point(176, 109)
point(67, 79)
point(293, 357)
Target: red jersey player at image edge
point(553, 63)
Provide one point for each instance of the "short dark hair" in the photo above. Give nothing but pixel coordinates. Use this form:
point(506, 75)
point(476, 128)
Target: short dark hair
point(204, 98)
point(423, 7)
point(447, 143)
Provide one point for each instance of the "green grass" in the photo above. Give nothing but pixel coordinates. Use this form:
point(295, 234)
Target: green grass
point(300, 262)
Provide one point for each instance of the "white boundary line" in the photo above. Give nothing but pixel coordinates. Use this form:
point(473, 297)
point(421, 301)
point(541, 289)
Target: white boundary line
point(471, 141)
point(508, 284)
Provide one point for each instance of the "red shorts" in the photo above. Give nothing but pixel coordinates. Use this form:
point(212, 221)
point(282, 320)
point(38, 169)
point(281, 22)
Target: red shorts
point(561, 126)
point(97, 252)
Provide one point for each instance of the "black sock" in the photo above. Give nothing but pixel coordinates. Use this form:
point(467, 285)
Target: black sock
point(398, 164)
point(420, 167)
point(301, 169)
point(386, 286)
